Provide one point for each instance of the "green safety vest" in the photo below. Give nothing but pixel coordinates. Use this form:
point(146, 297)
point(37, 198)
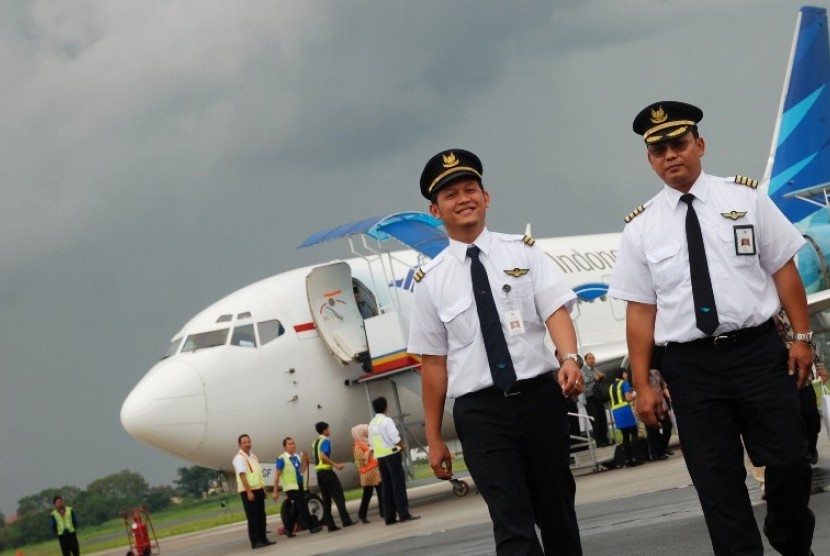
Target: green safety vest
point(64, 522)
point(377, 439)
point(289, 473)
point(617, 397)
point(319, 464)
point(254, 474)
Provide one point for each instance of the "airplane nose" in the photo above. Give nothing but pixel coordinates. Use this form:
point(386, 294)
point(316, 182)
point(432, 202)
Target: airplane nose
point(168, 408)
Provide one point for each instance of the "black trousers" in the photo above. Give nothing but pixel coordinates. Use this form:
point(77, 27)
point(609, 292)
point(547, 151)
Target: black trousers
point(367, 497)
point(811, 417)
point(517, 451)
point(659, 436)
point(331, 489)
point(721, 395)
point(255, 513)
point(69, 544)
point(629, 438)
point(393, 479)
point(596, 409)
point(299, 510)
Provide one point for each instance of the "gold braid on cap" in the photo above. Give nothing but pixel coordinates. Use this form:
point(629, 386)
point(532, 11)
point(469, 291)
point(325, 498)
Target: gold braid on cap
point(419, 275)
point(665, 125)
point(446, 173)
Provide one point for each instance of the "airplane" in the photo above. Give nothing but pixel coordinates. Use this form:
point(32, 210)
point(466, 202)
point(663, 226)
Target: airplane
point(306, 350)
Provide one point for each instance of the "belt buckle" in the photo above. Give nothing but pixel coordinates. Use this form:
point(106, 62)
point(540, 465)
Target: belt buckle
point(723, 338)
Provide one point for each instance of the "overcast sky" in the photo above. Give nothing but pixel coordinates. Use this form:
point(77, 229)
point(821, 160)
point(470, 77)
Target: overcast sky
point(157, 156)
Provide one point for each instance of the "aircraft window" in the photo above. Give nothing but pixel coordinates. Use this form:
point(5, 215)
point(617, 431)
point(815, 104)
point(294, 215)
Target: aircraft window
point(172, 348)
point(206, 339)
point(245, 315)
point(269, 330)
point(225, 318)
point(243, 336)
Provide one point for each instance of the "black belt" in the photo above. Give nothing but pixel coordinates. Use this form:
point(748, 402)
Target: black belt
point(722, 341)
point(518, 388)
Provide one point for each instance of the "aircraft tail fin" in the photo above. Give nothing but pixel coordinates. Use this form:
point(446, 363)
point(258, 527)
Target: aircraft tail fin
point(797, 177)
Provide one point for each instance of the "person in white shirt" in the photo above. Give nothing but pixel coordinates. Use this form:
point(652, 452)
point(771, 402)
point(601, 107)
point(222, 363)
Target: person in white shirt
point(250, 483)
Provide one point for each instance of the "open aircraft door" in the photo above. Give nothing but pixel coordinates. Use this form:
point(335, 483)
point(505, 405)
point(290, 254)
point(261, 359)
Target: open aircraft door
point(335, 312)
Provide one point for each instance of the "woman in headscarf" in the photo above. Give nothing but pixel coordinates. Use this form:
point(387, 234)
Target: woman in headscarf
point(367, 465)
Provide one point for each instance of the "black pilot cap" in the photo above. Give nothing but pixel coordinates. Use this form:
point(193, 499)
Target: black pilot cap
point(446, 167)
point(666, 120)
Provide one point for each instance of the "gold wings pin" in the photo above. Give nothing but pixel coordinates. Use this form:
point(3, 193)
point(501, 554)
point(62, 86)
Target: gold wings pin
point(733, 215)
point(516, 272)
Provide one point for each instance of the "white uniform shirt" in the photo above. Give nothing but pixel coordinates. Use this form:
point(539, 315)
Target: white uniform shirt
point(240, 463)
point(445, 319)
point(387, 430)
point(652, 264)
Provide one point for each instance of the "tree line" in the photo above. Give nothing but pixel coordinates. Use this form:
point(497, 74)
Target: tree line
point(101, 501)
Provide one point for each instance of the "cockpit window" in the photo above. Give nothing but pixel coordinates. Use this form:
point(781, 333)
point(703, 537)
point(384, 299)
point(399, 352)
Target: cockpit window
point(243, 336)
point(245, 315)
point(206, 339)
point(172, 348)
point(269, 330)
point(224, 318)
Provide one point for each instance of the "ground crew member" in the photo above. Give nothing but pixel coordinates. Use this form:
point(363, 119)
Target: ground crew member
point(620, 395)
point(291, 467)
point(251, 486)
point(704, 265)
point(330, 487)
point(65, 525)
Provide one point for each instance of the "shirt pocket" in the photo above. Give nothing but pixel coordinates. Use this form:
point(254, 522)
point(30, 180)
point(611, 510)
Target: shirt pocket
point(730, 252)
point(461, 321)
point(666, 265)
point(519, 297)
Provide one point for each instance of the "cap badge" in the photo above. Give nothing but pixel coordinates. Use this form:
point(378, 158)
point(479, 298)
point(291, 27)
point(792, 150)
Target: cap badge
point(450, 160)
point(516, 272)
point(658, 116)
point(733, 215)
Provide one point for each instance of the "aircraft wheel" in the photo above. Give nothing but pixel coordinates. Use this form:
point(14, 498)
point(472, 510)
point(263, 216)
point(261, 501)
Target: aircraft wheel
point(460, 488)
point(315, 510)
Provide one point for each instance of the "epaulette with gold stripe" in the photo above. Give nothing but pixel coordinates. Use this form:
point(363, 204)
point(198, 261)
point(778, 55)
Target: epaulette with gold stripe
point(419, 275)
point(749, 182)
point(633, 214)
point(528, 240)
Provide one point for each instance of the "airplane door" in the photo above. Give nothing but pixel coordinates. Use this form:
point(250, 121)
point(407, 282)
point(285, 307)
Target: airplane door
point(335, 312)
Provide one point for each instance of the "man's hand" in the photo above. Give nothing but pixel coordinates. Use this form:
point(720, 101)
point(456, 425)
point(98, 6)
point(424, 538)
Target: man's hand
point(276, 494)
point(570, 378)
point(338, 466)
point(250, 496)
point(801, 362)
point(649, 405)
point(440, 460)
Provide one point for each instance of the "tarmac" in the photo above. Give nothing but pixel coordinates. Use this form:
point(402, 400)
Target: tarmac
point(649, 509)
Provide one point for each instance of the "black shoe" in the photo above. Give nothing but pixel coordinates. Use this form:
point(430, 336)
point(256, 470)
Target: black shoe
point(392, 522)
point(813, 457)
point(290, 535)
point(333, 528)
point(662, 457)
point(669, 453)
point(410, 517)
point(364, 520)
point(349, 524)
point(315, 529)
point(267, 542)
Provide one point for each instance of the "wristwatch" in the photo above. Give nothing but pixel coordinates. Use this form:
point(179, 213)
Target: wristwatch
point(803, 337)
point(575, 356)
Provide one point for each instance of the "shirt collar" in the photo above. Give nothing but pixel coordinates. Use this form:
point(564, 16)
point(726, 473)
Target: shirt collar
point(700, 189)
point(458, 249)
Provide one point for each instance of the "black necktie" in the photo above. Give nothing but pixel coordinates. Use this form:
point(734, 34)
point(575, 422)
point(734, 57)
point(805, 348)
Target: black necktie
point(706, 313)
point(501, 365)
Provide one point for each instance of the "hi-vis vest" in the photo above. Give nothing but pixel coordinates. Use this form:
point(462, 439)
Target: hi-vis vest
point(289, 473)
point(319, 464)
point(64, 522)
point(377, 439)
point(617, 397)
point(254, 473)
